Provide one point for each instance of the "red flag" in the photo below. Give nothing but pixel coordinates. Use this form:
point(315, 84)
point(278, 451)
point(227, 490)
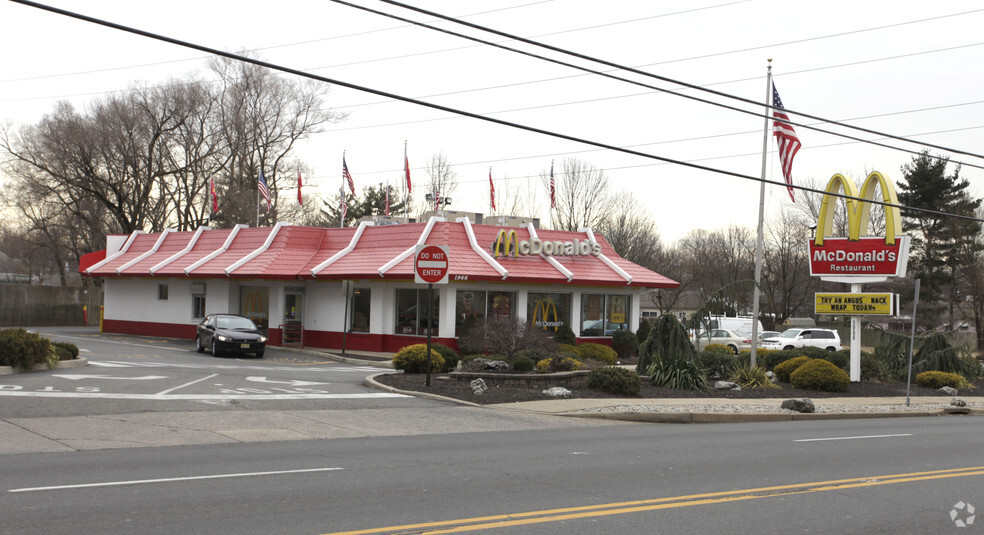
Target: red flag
point(387, 201)
point(789, 144)
point(553, 188)
point(215, 196)
point(491, 190)
point(300, 201)
point(348, 176)
point(406, 169)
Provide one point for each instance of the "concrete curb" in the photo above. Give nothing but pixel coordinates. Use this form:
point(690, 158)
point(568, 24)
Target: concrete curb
point(371, 383)
point(719, 418)
point(62, 365)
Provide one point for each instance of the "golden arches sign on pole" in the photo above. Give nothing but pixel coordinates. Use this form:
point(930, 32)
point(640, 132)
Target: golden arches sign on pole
point(859, 212)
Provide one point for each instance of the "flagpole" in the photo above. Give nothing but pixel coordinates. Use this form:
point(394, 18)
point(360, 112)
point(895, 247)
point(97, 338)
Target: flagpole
point(406, 172)
point(756, 294)
point(341, 194)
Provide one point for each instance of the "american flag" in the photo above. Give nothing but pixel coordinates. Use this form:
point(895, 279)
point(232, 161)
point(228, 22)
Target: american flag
point(553, 188)
point(789, 144)
point(491, 190)
point(215, 195)
point(300, 201)
point(344, 209)
point(348, 176)
point(261, 185)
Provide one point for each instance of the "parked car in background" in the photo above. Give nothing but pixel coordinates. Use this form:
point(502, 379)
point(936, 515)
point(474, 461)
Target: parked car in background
point(735, 341)
point(765, 335)
point(229, 333)
point(792, 338)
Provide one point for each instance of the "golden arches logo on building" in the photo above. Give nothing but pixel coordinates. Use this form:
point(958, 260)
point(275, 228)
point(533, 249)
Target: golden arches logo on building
point(859, 211)
point(542, 311)
point(504, 242)
point(253, 305)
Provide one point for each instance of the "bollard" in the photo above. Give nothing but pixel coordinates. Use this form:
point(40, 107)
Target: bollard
point(85, 316)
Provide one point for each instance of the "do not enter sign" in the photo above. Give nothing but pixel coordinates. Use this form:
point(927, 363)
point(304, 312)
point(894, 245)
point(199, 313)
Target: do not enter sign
point(430, 264)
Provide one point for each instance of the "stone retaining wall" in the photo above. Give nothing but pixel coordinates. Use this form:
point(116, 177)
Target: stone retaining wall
point(568, 380)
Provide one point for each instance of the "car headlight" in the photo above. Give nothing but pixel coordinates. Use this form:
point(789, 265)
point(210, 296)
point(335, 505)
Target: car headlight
point(262, 339)
point(223, 338)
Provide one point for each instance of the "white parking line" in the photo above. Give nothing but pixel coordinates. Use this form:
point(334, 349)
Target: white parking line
point(172, 480)
point(193, 397)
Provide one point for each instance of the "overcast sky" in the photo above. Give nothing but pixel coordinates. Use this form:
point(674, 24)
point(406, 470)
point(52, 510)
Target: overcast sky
point(906, 68)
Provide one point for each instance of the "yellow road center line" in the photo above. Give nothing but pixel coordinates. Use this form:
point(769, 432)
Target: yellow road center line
point(590, 511)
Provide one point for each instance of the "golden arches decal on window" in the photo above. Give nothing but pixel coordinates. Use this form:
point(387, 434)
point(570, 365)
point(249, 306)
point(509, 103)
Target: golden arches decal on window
point(253, 305)
point(541, 312)
point(859, 211)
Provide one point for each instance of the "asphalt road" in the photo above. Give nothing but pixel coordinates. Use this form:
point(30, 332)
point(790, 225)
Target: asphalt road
point(409, 465)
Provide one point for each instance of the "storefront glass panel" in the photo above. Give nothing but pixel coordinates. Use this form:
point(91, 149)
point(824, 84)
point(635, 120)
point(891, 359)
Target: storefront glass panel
point(478, 304)
point(548, 311)
point(411, 310)
point(361, 300)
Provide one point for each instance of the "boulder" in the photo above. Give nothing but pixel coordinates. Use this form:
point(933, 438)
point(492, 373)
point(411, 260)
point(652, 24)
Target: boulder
point(948, 390)
point(771, 376)
point(799, 405)
point(478, 386)
point(726, 385)
point(558, 392)
point(956, 402)
point(492, 365)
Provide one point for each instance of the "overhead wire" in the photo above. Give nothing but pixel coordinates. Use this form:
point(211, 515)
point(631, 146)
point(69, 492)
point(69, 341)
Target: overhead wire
point(642, 73)
point(289, 70)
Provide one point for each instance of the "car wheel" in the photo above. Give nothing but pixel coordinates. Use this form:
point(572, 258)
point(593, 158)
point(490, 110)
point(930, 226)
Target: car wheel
point(734, 349)
point(831, 349)
point(215, 348)
point(198, 344)
point(788, 347)
point(259, 354)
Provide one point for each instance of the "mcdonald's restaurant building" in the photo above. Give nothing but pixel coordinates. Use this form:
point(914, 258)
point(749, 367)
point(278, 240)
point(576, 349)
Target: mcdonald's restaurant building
point(314, 286)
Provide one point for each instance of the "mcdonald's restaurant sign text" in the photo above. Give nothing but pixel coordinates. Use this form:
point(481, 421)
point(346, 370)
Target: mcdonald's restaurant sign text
point(507, 243)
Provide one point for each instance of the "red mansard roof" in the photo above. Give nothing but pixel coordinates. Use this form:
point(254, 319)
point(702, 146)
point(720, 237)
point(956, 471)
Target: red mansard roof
point(287, 252)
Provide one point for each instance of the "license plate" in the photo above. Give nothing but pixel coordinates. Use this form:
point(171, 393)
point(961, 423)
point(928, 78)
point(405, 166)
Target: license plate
point(244, 346)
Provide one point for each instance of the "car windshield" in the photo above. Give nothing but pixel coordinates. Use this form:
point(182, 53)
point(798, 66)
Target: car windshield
point(235, 323)
point(790, 333)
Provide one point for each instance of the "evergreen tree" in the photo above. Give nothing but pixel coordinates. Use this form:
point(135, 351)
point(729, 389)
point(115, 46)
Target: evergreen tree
point(936, 237)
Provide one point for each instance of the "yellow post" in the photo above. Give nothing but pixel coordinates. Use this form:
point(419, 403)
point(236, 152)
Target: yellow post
point(100, 318)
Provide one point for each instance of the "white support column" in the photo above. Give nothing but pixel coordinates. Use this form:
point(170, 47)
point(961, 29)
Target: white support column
point(855, 341)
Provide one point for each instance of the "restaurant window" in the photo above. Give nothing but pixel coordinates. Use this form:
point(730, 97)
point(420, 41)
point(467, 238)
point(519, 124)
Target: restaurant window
point(361, 298)
point(548, 311)
point(198, 301)
point(601, 315)
point(162, 292)
point(478, 304)
point(411, 312)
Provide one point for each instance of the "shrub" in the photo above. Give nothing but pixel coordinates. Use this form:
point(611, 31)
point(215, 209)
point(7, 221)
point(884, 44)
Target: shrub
point(503, 335)
point(681, 374)
point(598, 352)
point(937, 380)
point(558, 364)
point(667, 340)
point(644, 328)
point(21, 349)
point(523, 364)
point(543, 366)
point(819, 374)
point(787, 367)
point(718, 348)
point(65, 350)
point(615, 380)
point(450, 356)
point(716, 363)
point(871, 368)
point(625, 343)
point(565, 335)
point(413, 359)
point(749, 377)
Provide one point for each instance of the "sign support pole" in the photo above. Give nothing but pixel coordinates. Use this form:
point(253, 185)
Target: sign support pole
point(855, 340)
point(347, 288)
point(912, 342)
point(430, 314)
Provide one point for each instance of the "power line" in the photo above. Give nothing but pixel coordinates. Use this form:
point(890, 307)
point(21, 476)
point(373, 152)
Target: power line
point(640, 72)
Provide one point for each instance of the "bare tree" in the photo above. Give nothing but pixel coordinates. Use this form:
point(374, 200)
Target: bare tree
point(442, 180)
point(584, 197)
point(786, 276)
point(631, 231)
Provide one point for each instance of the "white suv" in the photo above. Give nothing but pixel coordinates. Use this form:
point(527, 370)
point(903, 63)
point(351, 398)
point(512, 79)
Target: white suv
point(792, 338)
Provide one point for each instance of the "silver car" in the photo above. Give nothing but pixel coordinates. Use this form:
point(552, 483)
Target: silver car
point(735, 341)
point(793, 338)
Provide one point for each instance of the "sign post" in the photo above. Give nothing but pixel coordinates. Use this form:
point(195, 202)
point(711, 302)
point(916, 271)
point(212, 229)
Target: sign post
point(430, 266)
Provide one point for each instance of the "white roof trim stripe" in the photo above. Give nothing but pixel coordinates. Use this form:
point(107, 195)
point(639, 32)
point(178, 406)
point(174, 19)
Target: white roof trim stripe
point(478, 249)
point(217, 252)
point(179, 254)
point(152, 250)
point(608, 262)
point(550, 259)
point(405, 254)
point(259, 250)
point(348, 249)
point(114, 256)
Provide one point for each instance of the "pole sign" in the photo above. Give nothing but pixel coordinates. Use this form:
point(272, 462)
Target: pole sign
point(430, 264)
point(851, 304)
point(857, 258)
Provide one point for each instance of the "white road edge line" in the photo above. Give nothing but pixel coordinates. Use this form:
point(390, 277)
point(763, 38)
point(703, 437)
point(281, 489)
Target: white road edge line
point(169, 390)
point(172, 480)
point(852, 438)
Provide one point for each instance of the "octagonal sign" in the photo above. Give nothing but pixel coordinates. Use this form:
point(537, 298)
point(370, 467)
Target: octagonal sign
point(430, 264)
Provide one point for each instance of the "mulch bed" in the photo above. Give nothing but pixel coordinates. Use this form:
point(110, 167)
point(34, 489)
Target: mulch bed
point(442, 386)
